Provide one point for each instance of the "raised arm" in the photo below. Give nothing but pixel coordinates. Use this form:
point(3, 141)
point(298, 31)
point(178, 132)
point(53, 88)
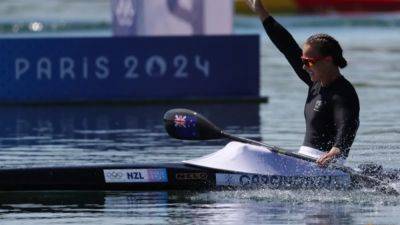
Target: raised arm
point(282, 39)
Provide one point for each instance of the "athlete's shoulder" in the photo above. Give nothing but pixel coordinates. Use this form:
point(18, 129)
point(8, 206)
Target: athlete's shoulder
point(344, 91)
point(345, 87)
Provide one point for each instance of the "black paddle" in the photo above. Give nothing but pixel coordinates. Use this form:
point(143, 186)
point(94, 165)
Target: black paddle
point(185, 124)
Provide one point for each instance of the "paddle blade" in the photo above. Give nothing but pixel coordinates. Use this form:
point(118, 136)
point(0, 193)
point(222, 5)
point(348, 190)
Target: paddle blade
point(186, 124)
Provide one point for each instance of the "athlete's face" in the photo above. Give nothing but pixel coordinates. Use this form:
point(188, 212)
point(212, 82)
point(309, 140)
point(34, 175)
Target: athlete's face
point(315, 64)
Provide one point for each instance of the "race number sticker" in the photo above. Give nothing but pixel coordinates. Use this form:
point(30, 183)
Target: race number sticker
point(135, 176)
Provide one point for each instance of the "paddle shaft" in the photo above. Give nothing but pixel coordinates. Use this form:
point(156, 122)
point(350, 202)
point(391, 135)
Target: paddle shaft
point(269, 147)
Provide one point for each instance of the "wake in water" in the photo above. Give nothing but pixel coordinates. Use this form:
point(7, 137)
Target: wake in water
point(358, 197)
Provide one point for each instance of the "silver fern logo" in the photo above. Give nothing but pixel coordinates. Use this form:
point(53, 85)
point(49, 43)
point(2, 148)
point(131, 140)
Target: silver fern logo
point(318, 105)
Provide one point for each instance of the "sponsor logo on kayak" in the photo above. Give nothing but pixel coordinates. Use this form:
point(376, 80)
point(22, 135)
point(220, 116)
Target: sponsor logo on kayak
point(251, 180)
point(191, 176)
point(135, 176)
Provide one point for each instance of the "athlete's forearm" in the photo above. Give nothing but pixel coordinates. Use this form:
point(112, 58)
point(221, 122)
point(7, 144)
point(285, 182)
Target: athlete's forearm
point(345, 114)
point(286, 44)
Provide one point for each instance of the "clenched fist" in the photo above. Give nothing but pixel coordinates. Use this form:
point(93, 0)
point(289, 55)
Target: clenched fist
point(257, 7)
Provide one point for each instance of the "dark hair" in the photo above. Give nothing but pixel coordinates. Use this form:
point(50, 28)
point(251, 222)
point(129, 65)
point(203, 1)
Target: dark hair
point(328, 46)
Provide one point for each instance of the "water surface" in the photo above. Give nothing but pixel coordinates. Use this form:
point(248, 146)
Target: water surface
point(82, 135)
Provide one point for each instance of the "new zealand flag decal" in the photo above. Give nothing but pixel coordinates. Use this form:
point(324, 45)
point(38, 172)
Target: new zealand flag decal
point(180, 121)
point(185, 125)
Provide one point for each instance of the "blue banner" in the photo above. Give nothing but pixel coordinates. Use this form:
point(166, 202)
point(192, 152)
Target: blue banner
point(128, 69)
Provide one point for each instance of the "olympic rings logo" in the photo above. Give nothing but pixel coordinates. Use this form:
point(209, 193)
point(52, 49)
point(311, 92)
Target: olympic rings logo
point(114, 175)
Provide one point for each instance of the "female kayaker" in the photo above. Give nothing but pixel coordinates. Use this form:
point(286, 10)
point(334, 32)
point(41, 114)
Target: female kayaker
point(332, 106)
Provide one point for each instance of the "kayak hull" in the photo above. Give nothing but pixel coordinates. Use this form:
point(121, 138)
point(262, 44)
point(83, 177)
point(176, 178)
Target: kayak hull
point(236, 166)
point(154, 177)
